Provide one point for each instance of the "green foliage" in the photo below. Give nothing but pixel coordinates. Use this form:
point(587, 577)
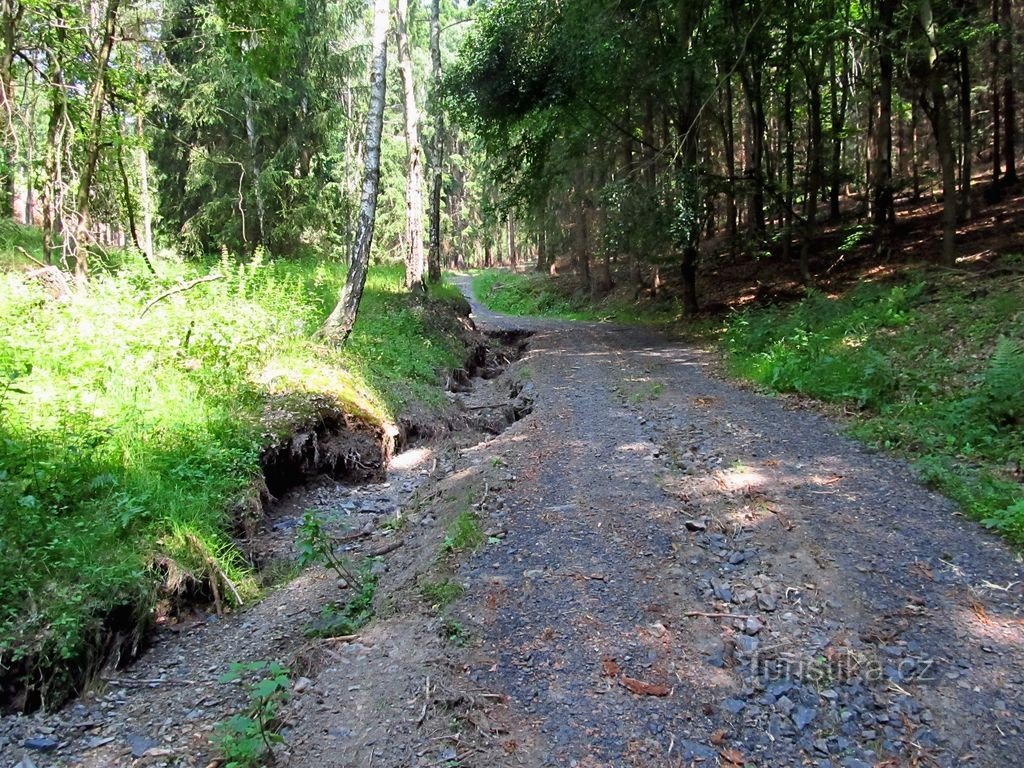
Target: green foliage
point(247, 740)
point(315, 545)
point(248, 133)
point(1002, 386)
point(441, 593)
point(453, 631)
point(823, 347)
point(936, 373)
point(464, 533)
point(539, 295)
point(128, 441)
point(337, 619)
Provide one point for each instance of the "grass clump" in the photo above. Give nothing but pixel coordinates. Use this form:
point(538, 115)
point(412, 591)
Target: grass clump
point(464, 533)
point(441, 594)
point(933, 366)
point(130, 440)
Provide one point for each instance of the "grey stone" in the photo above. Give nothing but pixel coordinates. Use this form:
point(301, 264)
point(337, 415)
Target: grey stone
point(734, 706)
point(747, 643)
point(804, 716)
point(140, 744)
point(42, 743)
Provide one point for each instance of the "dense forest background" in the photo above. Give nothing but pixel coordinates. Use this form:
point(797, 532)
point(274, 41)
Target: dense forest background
point(637, 134)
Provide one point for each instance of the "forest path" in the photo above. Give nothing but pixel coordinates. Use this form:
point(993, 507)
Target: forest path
point(676, 572)
point(877, 624)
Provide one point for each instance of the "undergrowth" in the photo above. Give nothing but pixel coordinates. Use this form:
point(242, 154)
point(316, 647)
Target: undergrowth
point(933, 366)
point(130, 439)
point(538, 294)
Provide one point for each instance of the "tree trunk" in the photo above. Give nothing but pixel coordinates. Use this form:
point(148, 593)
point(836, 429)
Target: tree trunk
point(340, 322)
point(882, 203)
point(1009, 107)
point(414, 258)
point(934, 102)
point(997, 67)
point(729, 138)
point(814, 167)
point(94, 142)
point(789, 152)
point(755, 156)
point(434, 253)
point(839, 103)
point(255, 172)
point(145, 196)
point(11, 17)
point(966, 145)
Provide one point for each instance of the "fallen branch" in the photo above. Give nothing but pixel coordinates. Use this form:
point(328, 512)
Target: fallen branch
point(29, 256)
point(385, 549)
point(179, 289)
point(744, 616)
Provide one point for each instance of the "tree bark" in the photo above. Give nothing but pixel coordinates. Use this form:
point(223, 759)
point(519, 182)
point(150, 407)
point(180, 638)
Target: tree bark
point(882, 203)
point(933, 100)
point(341, 320)
point(1009, 106)
point(11, 17)
point(966, 148)
point(434, 252)
point(414, 257)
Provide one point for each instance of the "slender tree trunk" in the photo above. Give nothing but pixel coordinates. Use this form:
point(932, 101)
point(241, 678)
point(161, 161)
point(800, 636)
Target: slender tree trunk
point(11, 17)
point(255, 172)
point(94, 142)
point(145, 196)
point(789, 194)
point(840, 97)
point(966, 133)
point(340, 322)
point(1009, 106)
point(814, 168)
point(55, 155)
point(755, 157)
point(434, 253)
point(882, 203)
point(996, 99)
point(414, 258)
point(732, 214)
point(935, 106)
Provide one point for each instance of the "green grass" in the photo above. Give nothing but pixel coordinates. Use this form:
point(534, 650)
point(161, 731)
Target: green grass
point(540, 295)
point(441, 593)
point(129, 442)
point(933, 366)
point(464, 533)
point(340, 619)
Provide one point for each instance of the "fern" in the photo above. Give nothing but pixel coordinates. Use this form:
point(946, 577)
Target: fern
point(1003, 385)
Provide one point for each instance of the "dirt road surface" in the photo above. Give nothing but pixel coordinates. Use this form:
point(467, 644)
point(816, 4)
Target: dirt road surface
point(676, 571)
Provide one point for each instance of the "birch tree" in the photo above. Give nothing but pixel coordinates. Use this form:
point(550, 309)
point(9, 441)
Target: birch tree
point(341, 320)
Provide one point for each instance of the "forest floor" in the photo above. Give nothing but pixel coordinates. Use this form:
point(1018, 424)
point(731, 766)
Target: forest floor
point(668, 569)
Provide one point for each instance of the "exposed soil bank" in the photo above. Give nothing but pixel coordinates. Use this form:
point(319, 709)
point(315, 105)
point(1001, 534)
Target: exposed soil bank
point(331, 443)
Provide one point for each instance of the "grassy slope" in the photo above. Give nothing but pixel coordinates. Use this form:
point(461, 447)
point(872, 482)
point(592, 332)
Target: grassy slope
point(537, 294)
point(127, 440)
point(934, 367)
point(931, 367)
